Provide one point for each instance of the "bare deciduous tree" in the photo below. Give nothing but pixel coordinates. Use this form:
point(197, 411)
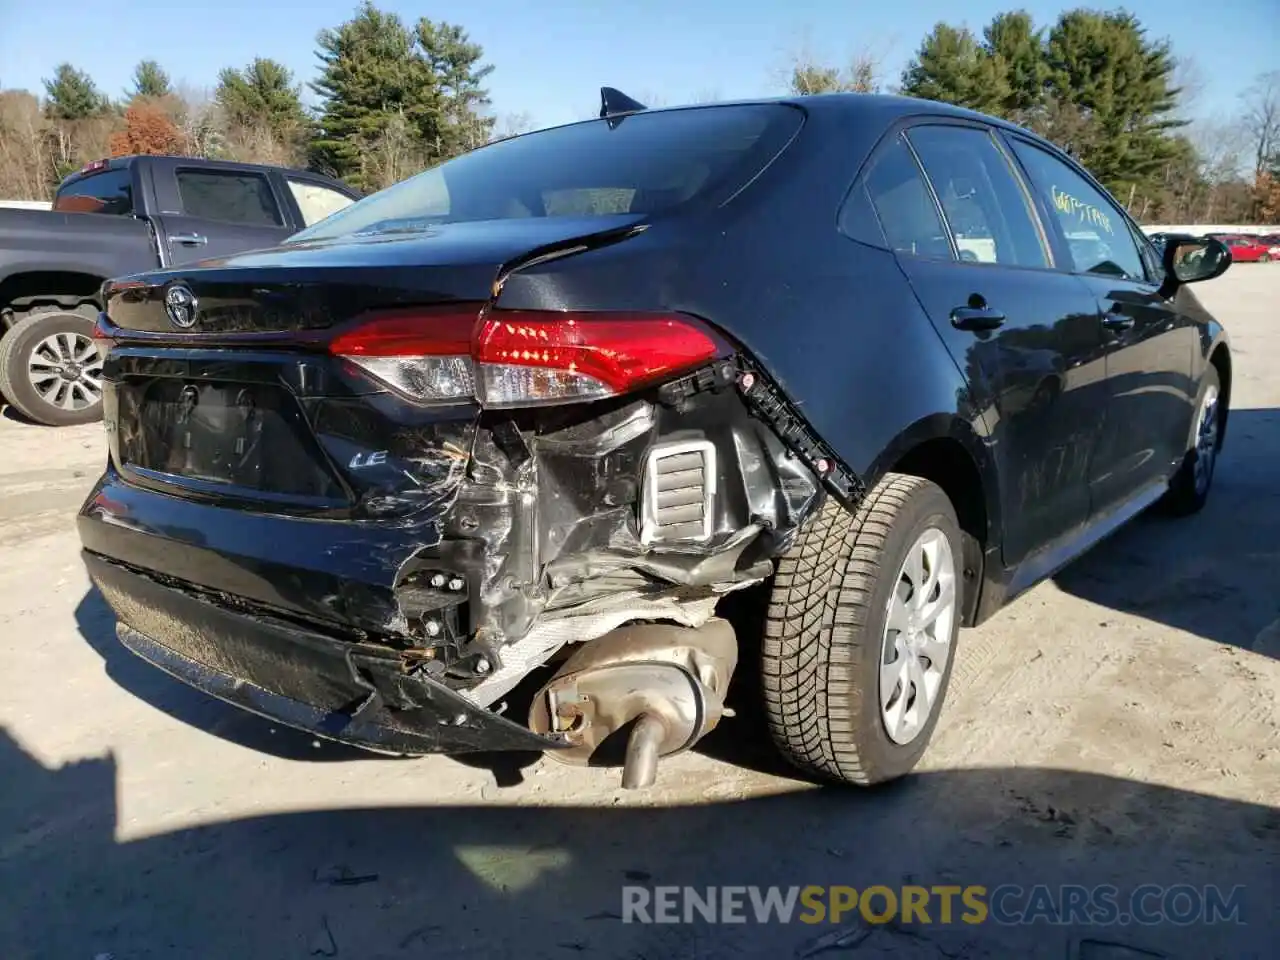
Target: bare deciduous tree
point(25, 164)
point(393, 156)
point(808, 76)
point(201, 122)
point(512, 125)
point(1262, 120)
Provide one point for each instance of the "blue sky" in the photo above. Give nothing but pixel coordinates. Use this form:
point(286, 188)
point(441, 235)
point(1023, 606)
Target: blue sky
point(551, 56)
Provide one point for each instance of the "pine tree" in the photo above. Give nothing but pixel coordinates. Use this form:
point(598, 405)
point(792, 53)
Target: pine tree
point(454, 62)
point(150, 81)
point(71, 95)
point(1013, 38)
point(262, 94)
point(369, 74)
point(1103, 65)
point(951, 66)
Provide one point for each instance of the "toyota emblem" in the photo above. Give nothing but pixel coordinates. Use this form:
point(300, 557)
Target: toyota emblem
point(180, 303)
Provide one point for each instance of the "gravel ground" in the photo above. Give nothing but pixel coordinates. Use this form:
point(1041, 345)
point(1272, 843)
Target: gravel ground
point(1115, 726)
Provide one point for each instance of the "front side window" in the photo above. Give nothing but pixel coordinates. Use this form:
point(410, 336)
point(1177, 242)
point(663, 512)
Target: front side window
point(897, 192)
point(986, 209)
point(644, 163)
point(108, 192)
point(231, 197)
point(1095, 231)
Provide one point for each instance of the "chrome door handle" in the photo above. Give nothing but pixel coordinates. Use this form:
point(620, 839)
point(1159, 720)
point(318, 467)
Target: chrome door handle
point(189, 239)
point(1117, 322)
point(976, 319)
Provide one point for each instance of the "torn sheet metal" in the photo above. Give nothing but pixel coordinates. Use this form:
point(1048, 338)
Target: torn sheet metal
point(550, 531)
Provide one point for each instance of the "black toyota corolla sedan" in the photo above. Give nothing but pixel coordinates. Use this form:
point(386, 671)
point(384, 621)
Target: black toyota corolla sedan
point(510, 431)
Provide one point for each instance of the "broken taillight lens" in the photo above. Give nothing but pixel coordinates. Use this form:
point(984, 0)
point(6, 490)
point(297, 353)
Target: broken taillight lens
point(101, 336)
point(523, 357)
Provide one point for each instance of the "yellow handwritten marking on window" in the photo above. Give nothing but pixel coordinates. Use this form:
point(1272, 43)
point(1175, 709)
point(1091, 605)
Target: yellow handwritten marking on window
point(1083, 212)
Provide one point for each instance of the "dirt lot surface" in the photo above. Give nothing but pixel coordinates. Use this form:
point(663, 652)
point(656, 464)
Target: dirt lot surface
point(1115, 726)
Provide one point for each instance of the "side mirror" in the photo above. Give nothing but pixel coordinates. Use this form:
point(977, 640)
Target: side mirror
point(1189, 259)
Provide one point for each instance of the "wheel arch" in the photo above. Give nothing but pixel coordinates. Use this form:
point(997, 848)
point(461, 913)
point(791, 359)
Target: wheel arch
point(1220, 360)
point(946, 450)
point(62, 286)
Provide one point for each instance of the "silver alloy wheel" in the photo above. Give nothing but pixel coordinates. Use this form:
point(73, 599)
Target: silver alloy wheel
point(917, 635)
point(66, 371)
point(1206, 440)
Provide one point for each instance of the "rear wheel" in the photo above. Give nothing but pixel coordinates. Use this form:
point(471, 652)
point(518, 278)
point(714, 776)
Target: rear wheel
point(49, 368)
point(861, 632)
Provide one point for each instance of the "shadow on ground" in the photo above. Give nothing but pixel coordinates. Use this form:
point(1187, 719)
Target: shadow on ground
point(1214, 574)
point(499, 881)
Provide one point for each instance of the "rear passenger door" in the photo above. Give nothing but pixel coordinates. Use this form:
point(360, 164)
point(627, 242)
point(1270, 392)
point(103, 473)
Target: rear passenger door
point(1025, 336)
point(1148, 345)
point(223, 212)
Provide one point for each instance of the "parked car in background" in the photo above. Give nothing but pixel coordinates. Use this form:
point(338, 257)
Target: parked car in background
point(1250, 249)
point(117, 217)
point(549, 403)
point(1272, 242)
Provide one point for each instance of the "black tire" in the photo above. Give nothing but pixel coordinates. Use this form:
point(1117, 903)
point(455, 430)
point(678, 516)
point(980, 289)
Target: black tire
point(827, 615)
point(1186, 496)
point(16, 349)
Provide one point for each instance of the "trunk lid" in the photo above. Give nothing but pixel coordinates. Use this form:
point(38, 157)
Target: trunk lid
point(228, 394)
point(289, 291)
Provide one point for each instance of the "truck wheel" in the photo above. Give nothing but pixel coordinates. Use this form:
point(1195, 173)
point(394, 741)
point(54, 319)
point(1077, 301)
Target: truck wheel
point(861, 631)
point(50, 370)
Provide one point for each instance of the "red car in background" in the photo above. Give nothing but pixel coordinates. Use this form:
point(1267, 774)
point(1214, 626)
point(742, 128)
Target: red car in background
point(1245, 249)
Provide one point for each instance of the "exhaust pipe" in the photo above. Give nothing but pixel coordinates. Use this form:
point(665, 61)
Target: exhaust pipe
point(661, 687)
point(644, 746)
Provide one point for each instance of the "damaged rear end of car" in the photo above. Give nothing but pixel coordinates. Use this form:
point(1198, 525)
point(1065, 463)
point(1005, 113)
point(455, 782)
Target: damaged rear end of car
point(360, 485)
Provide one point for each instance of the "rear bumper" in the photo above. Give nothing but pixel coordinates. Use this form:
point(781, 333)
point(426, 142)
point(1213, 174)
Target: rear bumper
point(338, 690)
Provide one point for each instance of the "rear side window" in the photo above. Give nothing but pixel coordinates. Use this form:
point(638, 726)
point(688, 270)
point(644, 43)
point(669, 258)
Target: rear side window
point(896, 190)
point(316, 201)
point(1095, 231)
point(230, 197)
point(646, 163)
point(108, 192)
point(986, 210)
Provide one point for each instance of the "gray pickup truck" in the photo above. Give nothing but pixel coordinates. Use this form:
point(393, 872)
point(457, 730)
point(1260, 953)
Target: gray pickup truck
point(115, 218)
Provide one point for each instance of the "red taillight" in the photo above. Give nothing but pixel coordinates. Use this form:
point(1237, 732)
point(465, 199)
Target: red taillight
point(409, 333)
point(424, 353)
point(565, 356)
point(524, 357)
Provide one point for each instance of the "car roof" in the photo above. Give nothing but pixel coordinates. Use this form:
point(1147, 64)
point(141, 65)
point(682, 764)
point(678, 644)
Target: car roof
point(118, 163)
point(884, 107)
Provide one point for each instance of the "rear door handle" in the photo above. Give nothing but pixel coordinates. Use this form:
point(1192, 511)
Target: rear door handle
point(1117, 322)
point(976, 319)
point(189, 239)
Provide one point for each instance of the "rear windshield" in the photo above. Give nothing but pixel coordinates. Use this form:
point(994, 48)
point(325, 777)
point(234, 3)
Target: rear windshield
point(647, 163)
point(108, 192)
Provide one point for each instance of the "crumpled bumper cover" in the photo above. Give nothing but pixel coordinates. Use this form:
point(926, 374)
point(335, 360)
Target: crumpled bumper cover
point(352, 693)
